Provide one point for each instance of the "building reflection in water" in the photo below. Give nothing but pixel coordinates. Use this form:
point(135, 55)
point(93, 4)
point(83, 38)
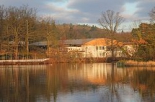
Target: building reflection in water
point(91, 82)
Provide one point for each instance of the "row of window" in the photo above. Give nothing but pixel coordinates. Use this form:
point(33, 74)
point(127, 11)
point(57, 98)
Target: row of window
point(99, 47)
point(71, 49)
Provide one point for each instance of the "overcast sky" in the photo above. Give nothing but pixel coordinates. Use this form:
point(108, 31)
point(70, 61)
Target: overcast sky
point(87, 11)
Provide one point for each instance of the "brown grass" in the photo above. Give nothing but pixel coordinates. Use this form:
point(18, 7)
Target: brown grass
point(140, 64)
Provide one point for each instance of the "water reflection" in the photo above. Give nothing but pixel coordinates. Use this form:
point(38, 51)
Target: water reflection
point(93, 82)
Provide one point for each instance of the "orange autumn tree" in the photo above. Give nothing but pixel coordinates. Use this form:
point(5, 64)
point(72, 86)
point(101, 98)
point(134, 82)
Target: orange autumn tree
point(144, 39)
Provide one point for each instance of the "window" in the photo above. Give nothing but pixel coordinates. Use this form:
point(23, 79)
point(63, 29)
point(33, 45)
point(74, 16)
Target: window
point(101, 54)
point(96, 47)
point(100, 47)
point(104, 54)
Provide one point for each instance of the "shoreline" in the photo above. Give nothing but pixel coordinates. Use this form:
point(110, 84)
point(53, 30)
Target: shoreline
point(56, 60)
point(25, 61)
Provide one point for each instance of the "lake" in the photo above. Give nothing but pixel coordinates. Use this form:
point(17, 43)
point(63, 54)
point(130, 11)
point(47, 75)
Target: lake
point(66, 82)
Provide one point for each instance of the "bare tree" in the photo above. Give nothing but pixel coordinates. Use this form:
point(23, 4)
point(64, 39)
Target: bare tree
point(2, 27)
point(152, 14)
point(2, 15)
point(17, 20)
point(110, 21)
point(48, 27)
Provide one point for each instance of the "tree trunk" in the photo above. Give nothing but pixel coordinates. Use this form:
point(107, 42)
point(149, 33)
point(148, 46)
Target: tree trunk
point(16, 45)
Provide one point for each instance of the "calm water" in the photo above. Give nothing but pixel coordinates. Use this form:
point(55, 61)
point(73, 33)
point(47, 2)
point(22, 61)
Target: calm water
point(95, 82)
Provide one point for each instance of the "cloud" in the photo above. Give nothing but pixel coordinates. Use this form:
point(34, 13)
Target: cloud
point(96, 5)
point(86, 11)
point(145, 8)
point(92, 9)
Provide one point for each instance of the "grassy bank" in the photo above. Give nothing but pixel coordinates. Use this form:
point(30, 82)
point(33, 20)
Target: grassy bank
point(131, 63)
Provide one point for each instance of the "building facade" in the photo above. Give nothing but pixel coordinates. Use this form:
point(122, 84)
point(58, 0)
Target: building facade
point(97, 48)
point(94, 48)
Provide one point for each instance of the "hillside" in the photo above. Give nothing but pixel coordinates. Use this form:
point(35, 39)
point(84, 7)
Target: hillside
point(69, 31)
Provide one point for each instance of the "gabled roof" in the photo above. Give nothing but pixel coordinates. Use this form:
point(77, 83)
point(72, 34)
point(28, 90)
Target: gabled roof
point(77, 41)
point(40, 43)
point(87, 42)
point(98, 41)
point(102, 42)
point(66, 42)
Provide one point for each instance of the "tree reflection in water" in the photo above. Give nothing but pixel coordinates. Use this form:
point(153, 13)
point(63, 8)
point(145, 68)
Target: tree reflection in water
point(92, 82)
point(143, 81)
point(112, 95)
point(21, 83)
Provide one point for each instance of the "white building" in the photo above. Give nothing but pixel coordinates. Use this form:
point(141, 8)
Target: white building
point(98, 48)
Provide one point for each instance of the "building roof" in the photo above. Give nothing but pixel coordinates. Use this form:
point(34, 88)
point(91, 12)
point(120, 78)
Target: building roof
point(66, 42)
point(87, 42)
point(98, 41)
point(77, 41)
point(40, 43)
point(102, 42)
